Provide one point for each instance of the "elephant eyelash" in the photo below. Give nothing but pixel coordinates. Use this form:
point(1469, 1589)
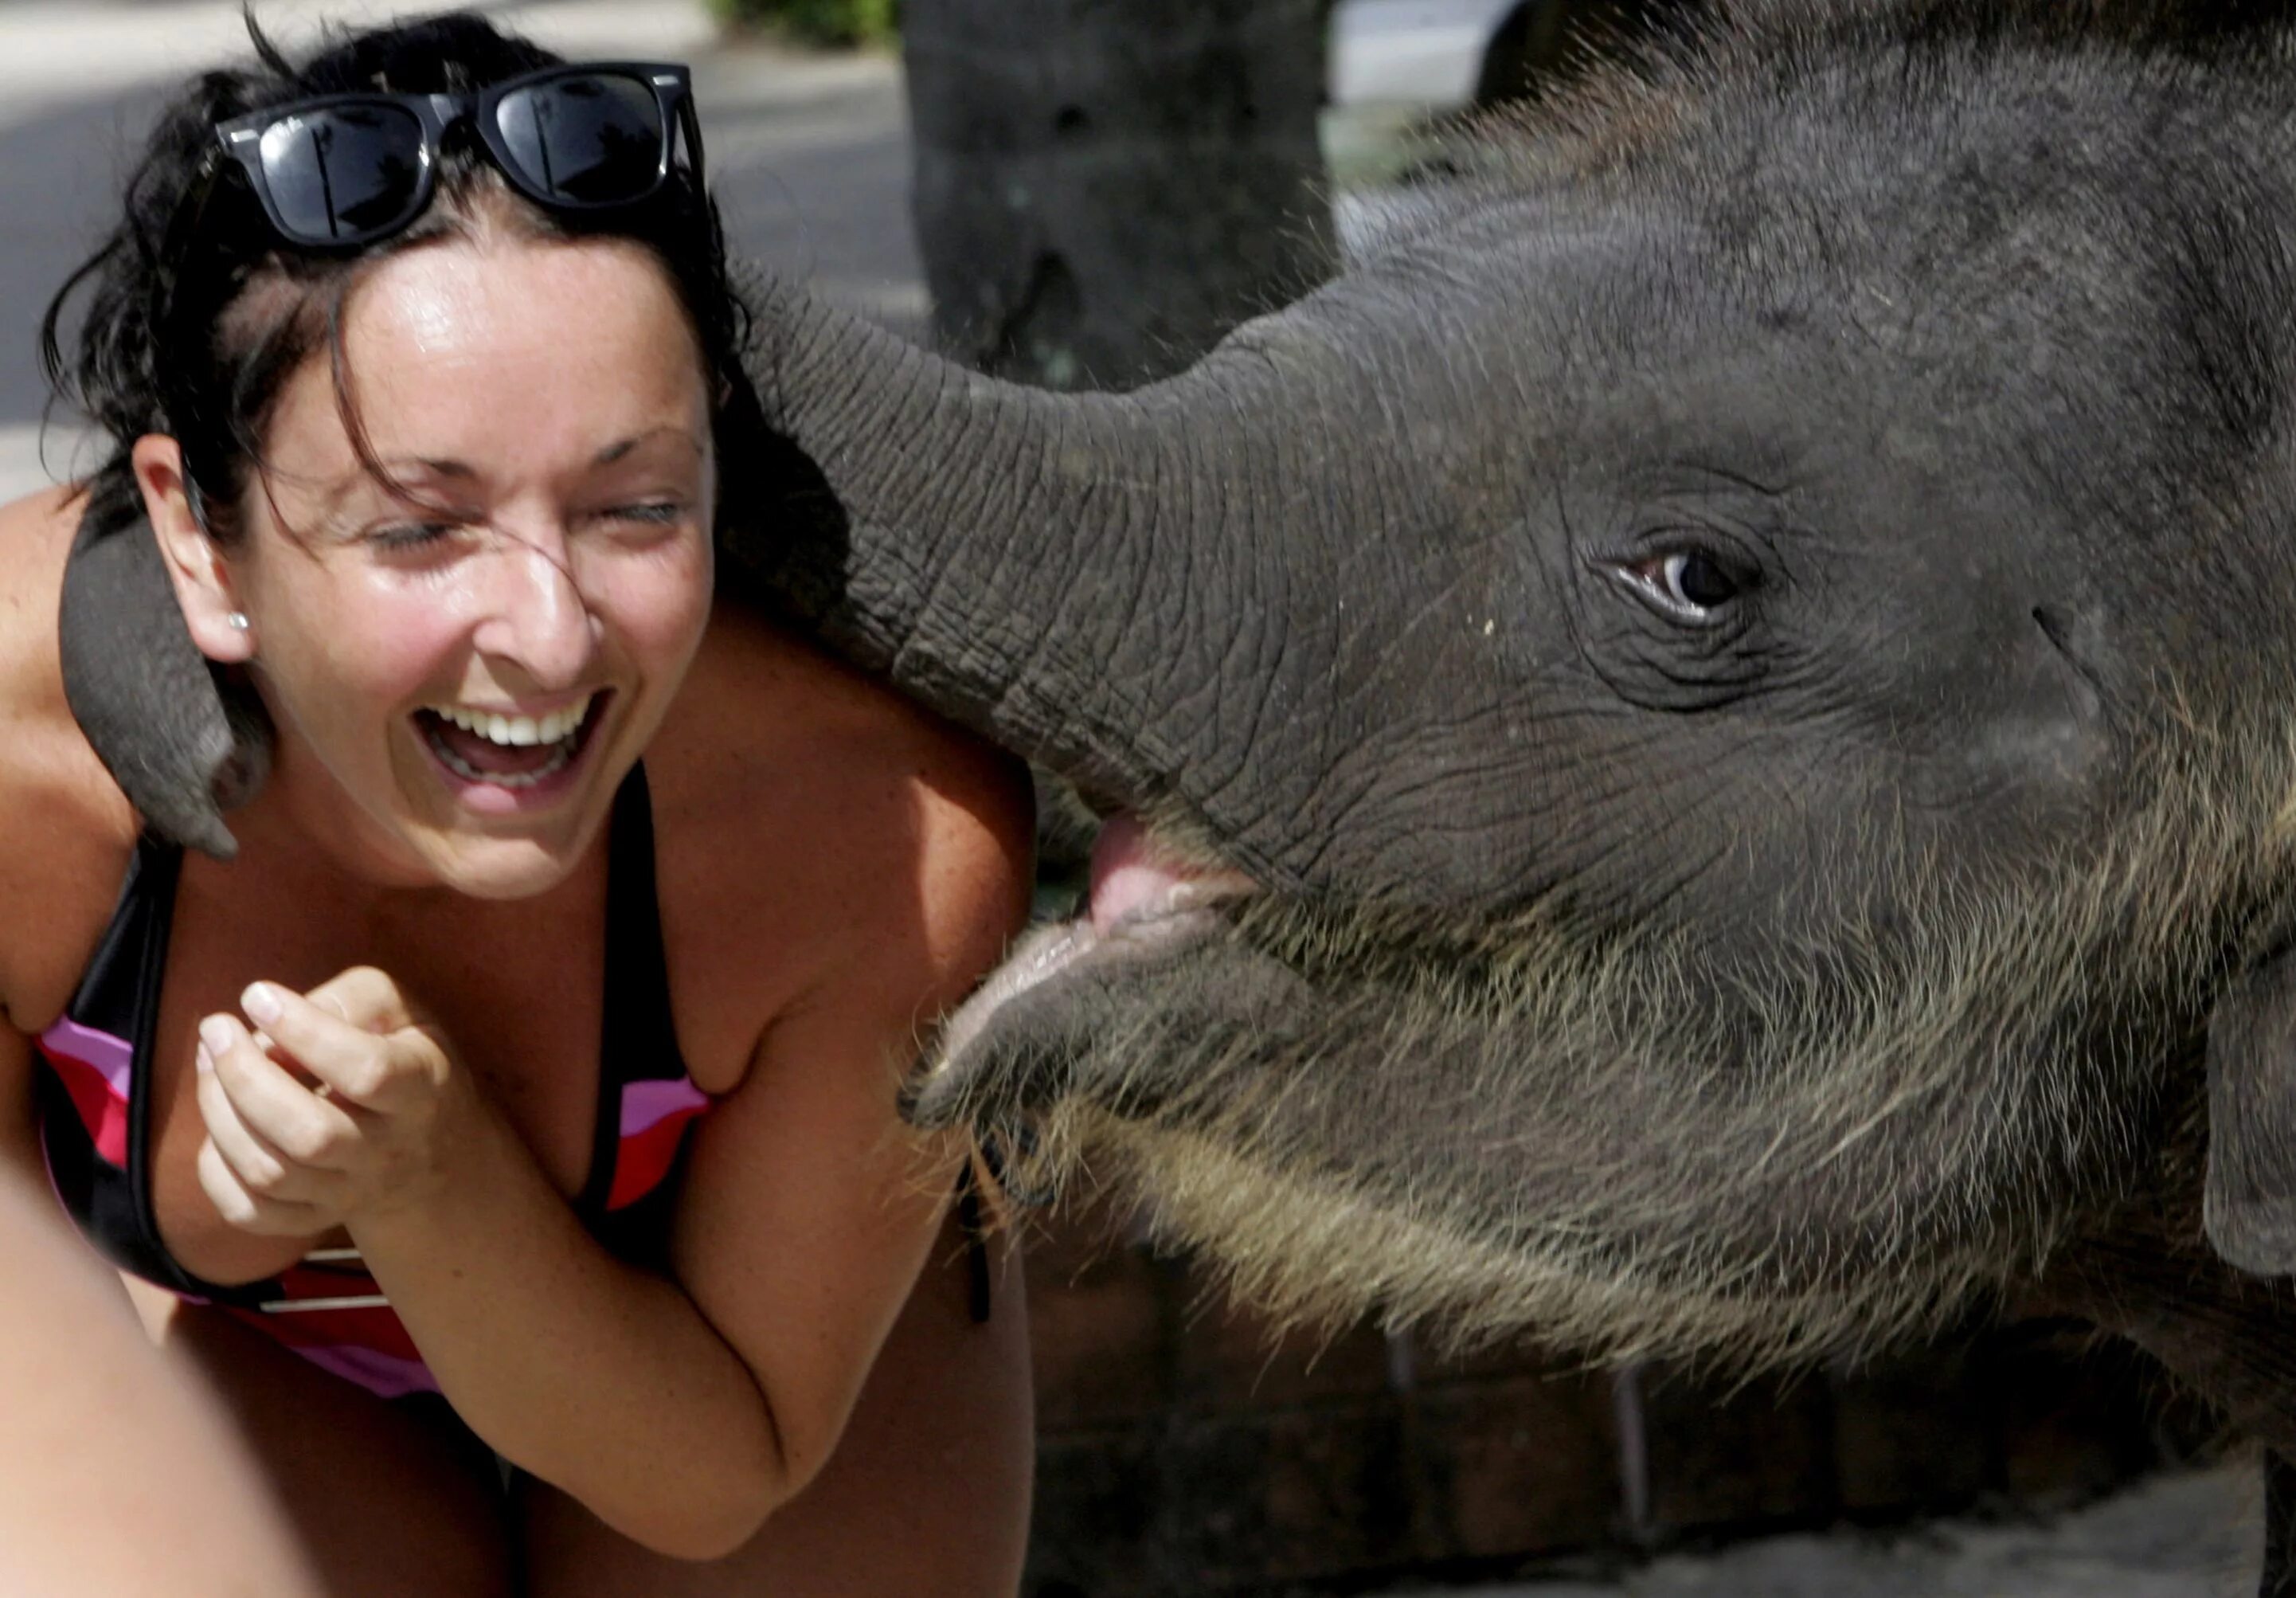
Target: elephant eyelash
point(1665, 581)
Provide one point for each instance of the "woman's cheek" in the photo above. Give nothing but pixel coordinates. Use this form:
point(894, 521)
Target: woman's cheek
point(396, 649)
point(676, 606)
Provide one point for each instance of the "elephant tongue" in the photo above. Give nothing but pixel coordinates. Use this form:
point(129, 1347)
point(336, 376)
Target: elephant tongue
point(1137, 889)
point(1133, 877)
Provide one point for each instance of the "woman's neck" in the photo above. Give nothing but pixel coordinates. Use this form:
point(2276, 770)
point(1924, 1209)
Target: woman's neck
point(304, 823)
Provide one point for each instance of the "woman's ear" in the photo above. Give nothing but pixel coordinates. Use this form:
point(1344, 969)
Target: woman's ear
point(196, 565)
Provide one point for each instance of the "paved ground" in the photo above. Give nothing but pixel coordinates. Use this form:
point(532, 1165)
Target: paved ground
point(809, 158)
point(2191, 1535)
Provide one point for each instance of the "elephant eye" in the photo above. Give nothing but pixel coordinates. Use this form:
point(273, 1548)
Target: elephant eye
point(1689, 585)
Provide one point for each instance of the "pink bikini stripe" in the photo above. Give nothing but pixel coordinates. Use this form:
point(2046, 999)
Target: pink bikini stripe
point(110, 1057)
point(385, 1375)
point(648, 1104)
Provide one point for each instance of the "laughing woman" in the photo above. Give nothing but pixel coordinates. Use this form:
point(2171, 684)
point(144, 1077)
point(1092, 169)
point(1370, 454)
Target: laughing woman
point(520, 1103)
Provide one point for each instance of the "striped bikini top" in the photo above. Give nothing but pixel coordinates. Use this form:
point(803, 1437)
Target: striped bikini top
point(95, 1121)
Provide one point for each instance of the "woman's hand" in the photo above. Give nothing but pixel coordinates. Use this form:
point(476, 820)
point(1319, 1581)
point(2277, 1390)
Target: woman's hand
point(370, 1131)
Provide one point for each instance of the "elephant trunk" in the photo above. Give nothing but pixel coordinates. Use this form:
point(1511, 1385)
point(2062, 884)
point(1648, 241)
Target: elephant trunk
point(1073, 576)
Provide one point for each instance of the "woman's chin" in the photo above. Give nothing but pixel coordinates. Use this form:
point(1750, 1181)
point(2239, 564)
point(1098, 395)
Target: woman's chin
point(498, 868)
point(489, 845)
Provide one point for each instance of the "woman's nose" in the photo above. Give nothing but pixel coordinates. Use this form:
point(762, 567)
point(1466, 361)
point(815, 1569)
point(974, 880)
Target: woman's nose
point(538, 618)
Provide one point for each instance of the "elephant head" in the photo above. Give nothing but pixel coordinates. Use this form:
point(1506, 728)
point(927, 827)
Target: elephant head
point(1701, 745)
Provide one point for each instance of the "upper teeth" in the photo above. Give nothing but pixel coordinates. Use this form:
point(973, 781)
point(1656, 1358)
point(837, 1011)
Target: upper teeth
point(516, 731)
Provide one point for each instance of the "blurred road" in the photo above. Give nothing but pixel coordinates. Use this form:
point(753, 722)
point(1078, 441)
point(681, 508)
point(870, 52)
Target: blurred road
point(809, 153)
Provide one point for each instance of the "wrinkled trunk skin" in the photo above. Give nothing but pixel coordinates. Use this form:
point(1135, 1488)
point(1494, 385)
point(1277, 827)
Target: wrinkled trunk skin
point(183, 745)
point(1104, 189)
point(1002, 552)
point(1075, 576)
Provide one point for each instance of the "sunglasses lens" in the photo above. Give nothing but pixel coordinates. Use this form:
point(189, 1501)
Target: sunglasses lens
point(342, 174)
point(589, 138)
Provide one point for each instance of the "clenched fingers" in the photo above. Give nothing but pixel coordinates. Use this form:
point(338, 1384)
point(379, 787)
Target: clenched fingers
point(366, 998)
point(251, 1211)
point(266, 1099)
point(383, 1072)
point(249, 1155)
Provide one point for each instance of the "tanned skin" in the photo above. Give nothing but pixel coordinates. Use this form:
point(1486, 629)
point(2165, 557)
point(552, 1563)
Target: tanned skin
point(825, 890)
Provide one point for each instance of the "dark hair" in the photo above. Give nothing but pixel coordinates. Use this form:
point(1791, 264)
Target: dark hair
point(195, 337)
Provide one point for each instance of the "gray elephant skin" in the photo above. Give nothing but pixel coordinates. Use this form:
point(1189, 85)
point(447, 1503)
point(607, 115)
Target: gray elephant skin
point(1713, 723)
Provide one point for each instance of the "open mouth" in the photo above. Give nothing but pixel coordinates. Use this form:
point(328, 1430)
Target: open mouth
point(529, 756)
point(1144, 900)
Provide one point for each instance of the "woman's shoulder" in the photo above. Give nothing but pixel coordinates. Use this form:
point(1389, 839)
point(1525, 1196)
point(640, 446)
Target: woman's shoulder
point(810, 819)
point(70, 829)
point(35, 534)
point(757, 698)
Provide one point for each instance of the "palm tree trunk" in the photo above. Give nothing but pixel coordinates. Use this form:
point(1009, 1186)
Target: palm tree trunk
point(1104, 188)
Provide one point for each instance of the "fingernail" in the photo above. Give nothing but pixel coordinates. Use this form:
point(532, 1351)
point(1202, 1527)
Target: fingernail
point(204, 1060)
point(260, 1003)
point(215, 1034)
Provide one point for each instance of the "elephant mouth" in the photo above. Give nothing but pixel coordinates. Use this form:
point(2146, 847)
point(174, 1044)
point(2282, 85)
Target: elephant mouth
point(1146, 900)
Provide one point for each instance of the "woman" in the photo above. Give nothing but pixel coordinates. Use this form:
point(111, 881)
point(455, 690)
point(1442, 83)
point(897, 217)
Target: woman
point(525, 1087)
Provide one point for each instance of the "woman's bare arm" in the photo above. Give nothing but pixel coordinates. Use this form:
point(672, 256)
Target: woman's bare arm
point(682, 1413)
point(118, 1476)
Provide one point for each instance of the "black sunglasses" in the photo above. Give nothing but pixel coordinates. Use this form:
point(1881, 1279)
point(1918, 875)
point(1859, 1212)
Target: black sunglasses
point(344, 170)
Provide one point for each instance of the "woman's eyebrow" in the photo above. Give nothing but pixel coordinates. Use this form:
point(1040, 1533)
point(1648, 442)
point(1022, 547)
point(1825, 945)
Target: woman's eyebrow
point(393, 478)
point(616, 451)
point(396, 473)
point(456, 470)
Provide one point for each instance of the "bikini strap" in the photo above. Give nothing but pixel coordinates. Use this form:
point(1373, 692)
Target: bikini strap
point(119, 995)
point(638, 1039)
point(112, 992)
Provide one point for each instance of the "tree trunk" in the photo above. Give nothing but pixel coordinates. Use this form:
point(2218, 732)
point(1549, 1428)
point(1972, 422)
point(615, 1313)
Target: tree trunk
point(1104, 188)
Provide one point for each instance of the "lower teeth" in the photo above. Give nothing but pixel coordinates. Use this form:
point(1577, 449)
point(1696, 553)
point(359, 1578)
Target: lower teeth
point(559, 759)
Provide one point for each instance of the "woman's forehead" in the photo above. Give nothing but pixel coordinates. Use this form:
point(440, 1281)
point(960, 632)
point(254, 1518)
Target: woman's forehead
point(568, 302)
point(462, 351)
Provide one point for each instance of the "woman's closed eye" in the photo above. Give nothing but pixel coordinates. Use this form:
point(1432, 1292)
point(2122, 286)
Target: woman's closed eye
point(405, 537)
point(651, 513)
point(429, 535)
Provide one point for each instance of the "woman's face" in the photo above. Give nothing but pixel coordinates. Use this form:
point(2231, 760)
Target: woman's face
point(464, 660)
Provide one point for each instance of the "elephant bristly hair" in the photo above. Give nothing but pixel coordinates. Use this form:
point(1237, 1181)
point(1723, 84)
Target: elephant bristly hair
point(1630, 1149)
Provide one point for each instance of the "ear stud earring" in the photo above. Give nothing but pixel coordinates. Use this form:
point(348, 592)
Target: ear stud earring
point(237, 621)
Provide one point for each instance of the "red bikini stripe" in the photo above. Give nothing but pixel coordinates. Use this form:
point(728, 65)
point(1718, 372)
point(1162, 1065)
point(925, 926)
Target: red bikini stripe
point(644, 1159)
point(102, 1111)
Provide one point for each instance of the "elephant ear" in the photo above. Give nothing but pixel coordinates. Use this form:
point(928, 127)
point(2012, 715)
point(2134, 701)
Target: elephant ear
point(182, 745)
point(2249, 1207)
